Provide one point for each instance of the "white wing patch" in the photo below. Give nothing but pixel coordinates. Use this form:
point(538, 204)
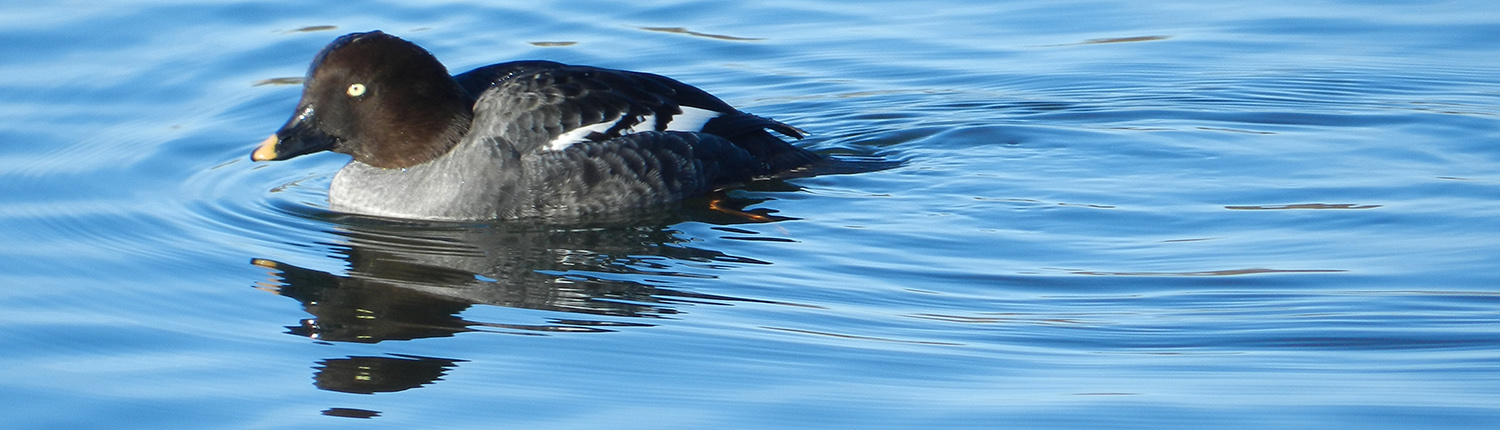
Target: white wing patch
point(577, 135)
point(647, 123)
point(691, 119)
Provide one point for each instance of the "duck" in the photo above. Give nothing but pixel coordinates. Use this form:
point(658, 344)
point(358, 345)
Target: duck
point(520, 139)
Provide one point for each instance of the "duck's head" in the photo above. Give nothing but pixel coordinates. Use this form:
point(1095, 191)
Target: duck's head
point(385, 101)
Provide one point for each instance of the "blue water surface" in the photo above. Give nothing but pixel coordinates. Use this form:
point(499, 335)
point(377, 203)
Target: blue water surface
point(1110, 214)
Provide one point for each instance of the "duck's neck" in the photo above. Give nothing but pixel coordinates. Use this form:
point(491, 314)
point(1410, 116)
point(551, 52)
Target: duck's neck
point(414, 138)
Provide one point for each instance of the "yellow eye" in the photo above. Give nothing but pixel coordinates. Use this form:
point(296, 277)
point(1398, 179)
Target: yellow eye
point(356, 90)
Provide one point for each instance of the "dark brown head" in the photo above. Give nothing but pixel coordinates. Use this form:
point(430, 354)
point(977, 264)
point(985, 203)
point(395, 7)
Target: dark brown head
point(383, 100)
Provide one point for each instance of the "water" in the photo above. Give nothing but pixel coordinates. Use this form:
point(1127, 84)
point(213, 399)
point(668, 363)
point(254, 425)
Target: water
point(1111, 214)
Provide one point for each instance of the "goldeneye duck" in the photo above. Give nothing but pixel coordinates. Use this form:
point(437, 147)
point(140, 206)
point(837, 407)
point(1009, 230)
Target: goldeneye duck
point(518, 139)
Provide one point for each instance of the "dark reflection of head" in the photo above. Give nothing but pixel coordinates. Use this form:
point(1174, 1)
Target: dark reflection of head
point(373, 374)
point(409, 281)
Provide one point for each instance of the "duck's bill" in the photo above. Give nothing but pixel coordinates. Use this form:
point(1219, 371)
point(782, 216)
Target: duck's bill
point(295, 139)
point(275, 148)
point(267, 149)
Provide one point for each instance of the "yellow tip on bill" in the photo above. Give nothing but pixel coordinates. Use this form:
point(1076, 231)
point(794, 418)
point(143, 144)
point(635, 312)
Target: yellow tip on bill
point(266, 151)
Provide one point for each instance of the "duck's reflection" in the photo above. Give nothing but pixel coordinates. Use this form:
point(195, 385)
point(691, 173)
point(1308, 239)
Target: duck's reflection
point(407, 282)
